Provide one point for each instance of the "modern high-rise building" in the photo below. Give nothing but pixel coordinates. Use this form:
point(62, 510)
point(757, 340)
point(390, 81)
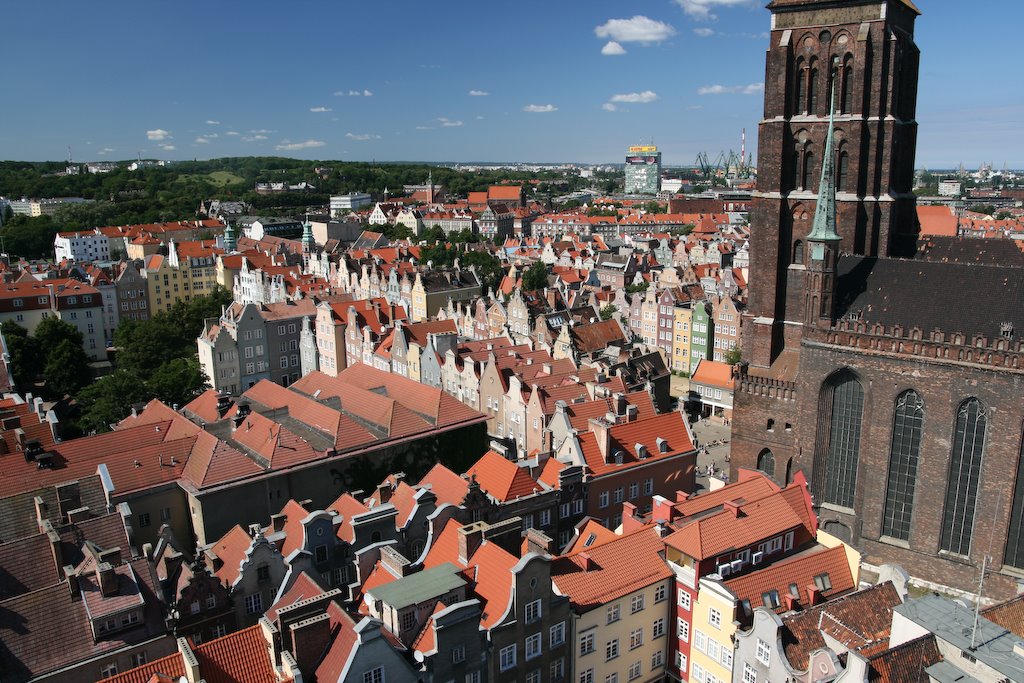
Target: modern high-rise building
point(643, 170)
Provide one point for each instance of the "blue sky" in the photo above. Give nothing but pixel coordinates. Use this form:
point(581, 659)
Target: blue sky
point(559, 80)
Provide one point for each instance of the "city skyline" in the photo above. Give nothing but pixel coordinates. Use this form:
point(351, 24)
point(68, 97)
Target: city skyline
point(564, 84)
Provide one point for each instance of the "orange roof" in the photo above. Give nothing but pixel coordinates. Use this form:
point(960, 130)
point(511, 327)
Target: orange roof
point(490, 566)
point(505, 192)
point(623, 437)
point(294, 533)
point(303, 588)
point(549, 475)
point(231, 549)
point(713, 373)
point(502, 479)
point(580, 413)
point(332, 666)
point(616, 568)
point(753, 521)
point(937, 220)
point(800, 572)
point(240, 657)
point(448, 486)
point(347, 506)
point(592, 534)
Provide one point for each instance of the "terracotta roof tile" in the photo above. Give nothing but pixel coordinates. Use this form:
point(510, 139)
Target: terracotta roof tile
point(798, 571)
point(347, 506)
point(303, 588)
point(502, 479)
point(332, 666)
point(1009, 615)
point(448, 486)
point(231, 549)
point(623, 437)
point(601, 573)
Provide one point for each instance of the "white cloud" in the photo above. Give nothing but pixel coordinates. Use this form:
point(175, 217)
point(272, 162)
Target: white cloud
point(424, 128)
point(608, 106)
point(354, 93)
point(540, 108)
point(293, 146)
point(479, 118)
point(201, 140)
point(105, 151)
point(261, 131)
point(704, 32)
point(339, 93)
point(320, 110)
point(644, 97)
point(479, 93)
point(612, 49)
point(167, 148)
point(752, 89)
point(231, 132)
point(702, 9)
point(211, 122)
point(253, 138)
point(367, 93)
point(362, 137)
point(639, 29)
point(448, 123)
point(158, 134)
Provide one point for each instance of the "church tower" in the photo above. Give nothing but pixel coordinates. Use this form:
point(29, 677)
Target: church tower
point(865, 51)
point(822, 250)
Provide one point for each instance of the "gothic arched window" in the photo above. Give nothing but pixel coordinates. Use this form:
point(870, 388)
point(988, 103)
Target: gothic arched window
point(846, 94)
point(904, 451)
point(807, 180)
point(843, 455)
point(766, 462)
point(812, 89)
point(798, 251)
point(800, 81)
point(842, 169)
point(964, 477)
point(1015, 537)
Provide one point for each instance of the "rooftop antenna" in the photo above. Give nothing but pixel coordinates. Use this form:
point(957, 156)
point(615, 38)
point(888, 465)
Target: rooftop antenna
point(981, 582)
point(743, 149)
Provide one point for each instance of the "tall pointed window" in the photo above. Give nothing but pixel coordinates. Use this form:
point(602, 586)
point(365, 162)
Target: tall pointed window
point(846, 94)
point(842, 169)
point(1015, 538)
point(843, 454)
point(904, 451)
point(800, 82)
point(812, 89)
point(766, 462)
point(964, 476)
point(807, 181)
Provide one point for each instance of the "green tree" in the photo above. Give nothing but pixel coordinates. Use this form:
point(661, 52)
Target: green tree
point(67, 369)
point(535, 277)
point(608, 311)
point(732, 356)
point(109, 399)
point(177, 381)
point(52, 331)
point(26, 356)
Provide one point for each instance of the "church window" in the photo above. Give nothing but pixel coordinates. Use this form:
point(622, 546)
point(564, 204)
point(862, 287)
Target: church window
point(842, 170)
point(812, 89)
point(904, 451)
point(808, 176)
point(843, 453)
point(846, 93)
point(964, 475)
point(766, 462)
point(1015, 538)
point(800, 81)
point(798, 251)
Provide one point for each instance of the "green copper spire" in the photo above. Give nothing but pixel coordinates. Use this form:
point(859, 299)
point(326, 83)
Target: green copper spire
point(307, 237)
point(230, 238)
point(824, 228)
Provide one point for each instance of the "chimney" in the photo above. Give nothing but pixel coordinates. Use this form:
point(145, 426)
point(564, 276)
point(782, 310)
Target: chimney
point(733, 506)
point(791, 602)
point(586, 562)
point(277, 521)
point(682, 496)
point(600, 429)
point(661, 509)
point(538, 542)
point(383, 492)
point(814, 595)
point(630, 522)
point(470, 537)
point(73, 586)
point(632, 412)
point(107, 578)
point(191, 663)
point(310, 638)
point(394, 561)
point(223, 404)
point(242, 411)
point(619, 401)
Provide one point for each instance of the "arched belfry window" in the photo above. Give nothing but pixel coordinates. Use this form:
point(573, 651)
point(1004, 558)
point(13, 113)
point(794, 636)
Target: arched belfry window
point(799, 81)
point(766, 462)
point(807, 180)
point(904, 451)
point(964, 477)
point(846, 93)
point(842, 169)
point(1015, 538)
point(844, 426)
point(798, 251)
point(812, 88)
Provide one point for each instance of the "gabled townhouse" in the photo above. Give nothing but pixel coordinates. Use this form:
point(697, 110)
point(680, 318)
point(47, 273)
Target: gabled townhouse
point(131, 293)
point(615, 407)
point(525, 620)
point(433, 289)
point(248, 656)
point(620, 596)
point(713, 382)
point(727, 326)
point(28, 302)
point(250, 566)
point(514, 492)
point(631, 462)
point(725, 532)
point(451, 646)
point(702, 332)
point(682, 322)
point(367, 322)
point(496, 221)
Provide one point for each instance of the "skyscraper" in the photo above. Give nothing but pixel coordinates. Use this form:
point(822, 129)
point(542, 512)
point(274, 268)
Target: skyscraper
point(643, 170)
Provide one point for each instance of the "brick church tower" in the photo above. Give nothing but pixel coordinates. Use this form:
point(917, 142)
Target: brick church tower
point(865, 50)
point(891, 379)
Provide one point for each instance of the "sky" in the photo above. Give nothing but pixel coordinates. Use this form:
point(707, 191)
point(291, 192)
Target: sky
point(390, 80)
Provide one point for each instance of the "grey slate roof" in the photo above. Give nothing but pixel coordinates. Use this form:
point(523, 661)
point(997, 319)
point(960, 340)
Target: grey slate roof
point(952, 297)
point(420, 587)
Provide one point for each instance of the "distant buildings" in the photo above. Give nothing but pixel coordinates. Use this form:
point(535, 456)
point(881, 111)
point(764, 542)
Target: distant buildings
point(42, 207)
point(343, 203)
point(643, 170)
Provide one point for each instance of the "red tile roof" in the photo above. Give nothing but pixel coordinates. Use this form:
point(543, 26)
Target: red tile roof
point(799, 571)
point(303, 588)
point(501, 479)
point(713, 373)
point(231, 549)
point(592, 534)
point(240, 657)
point(332, 666)
point(906, 663)
point(580, 413)
point(347, 506)
point(623, 437)
point(611, 570)
point(448, 486)
point(1009, 615)
point(758, 520)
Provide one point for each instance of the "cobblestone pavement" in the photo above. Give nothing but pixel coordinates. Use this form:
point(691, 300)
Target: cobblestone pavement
point(708, 432)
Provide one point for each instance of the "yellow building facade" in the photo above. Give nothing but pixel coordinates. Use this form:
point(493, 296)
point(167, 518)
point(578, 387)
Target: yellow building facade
point(680, 361)
point(714, 614)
